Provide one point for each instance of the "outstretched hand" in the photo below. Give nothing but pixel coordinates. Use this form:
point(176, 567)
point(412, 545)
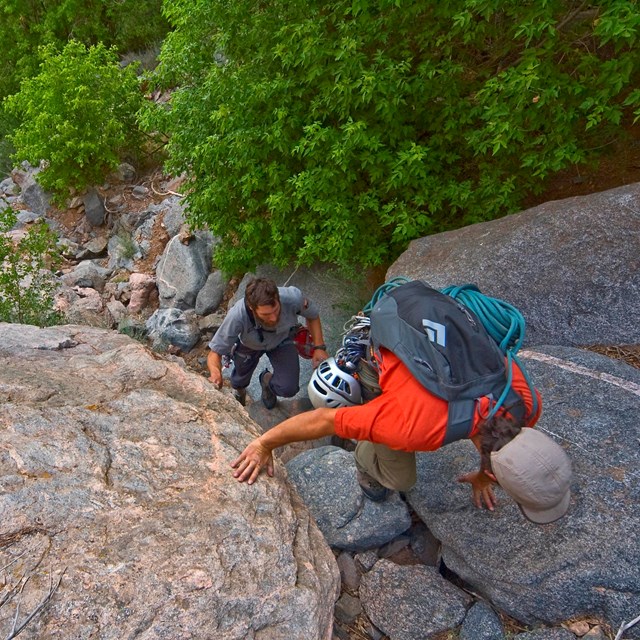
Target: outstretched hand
point(482, 488)
point(251, 461)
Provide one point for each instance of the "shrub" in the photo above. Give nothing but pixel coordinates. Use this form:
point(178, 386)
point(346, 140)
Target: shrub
point(137, 332)
point(78, 115)
point(27, 284)
point(338, 131)
point(6, 148)
point(25, 25)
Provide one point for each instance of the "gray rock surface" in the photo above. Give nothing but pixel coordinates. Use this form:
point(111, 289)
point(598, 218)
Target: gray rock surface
point(96, 246)
point(114, 479)
point(173, 215)
point(325, 478)
point(349, 573)
point(210, 296)
point(411, 602)
point(25, 218)
point(586, 563)
point(174, 327)
point(183, 269)
point(571, 266)
point(123, 251)
point(147, 234)
point(9, 187)
point(545, 634)
point(481, 623)
point(88, 273)
point(347, 609)
point(94, 208)
point(34, 196)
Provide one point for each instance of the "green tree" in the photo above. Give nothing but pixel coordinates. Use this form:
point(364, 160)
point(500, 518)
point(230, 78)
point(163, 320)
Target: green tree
point(340, 130)
point(27, 283)
point(26, 25)
point(78, 115)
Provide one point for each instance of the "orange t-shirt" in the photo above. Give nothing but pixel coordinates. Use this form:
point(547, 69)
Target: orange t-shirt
point(408, 417)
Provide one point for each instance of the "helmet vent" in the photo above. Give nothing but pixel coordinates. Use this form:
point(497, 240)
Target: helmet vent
point(331, 386)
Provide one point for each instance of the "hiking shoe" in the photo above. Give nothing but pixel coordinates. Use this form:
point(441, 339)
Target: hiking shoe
point(240, 395)
point(371, 488)
point(268, 397)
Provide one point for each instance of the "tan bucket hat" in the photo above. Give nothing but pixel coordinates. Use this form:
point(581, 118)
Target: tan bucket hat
point(536, 472)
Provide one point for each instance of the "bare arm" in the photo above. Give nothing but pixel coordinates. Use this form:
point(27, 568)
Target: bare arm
point(214, 364)
point(481, 483)
point(304, 426)
point(315, 329)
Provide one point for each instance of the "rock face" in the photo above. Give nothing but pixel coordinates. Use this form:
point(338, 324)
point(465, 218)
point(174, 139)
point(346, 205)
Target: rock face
point(571, 266)
point(326, 480)
point(114, 480)
point(585, 563)
point(114, 464)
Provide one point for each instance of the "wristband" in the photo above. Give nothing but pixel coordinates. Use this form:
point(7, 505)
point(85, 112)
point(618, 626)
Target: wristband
point(319, 347)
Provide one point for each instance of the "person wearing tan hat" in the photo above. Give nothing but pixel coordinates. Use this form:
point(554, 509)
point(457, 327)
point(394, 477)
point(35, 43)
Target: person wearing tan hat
point(536, 473)
point(405, 418)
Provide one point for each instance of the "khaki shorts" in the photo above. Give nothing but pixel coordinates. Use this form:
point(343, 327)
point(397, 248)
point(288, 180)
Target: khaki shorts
point(393, 469)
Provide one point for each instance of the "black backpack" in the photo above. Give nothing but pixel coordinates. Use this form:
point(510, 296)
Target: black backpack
point(446, 347)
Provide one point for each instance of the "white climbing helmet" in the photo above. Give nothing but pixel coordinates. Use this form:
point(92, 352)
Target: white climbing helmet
point(331, 387)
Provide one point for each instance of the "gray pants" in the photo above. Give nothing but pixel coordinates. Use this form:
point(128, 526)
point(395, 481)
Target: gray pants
point(393, 469)
point(284, 361)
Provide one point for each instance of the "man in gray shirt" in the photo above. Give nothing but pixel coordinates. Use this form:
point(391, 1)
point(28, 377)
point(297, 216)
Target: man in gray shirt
point(265, 321)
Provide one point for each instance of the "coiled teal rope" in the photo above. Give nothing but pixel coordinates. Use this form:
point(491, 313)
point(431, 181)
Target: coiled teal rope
point(505, 324)
point(381, 290)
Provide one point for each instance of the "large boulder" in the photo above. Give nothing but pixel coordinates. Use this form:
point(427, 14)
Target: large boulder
point(173, 327)
point(87, 274)
point(411, 602)
point(183, 269)
point(211, 295)
point(117, 496)
point(587, 562)
point(34, 196)
point(571, 266)
point(94, 208)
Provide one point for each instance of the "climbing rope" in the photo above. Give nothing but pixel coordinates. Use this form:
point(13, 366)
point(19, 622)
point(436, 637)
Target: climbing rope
point(504, 323)
point(381, 290)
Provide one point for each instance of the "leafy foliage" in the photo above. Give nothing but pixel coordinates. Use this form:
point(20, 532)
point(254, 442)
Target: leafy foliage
point(27, 284)
point(78, 115)
point(339, 130)
point(26, 25)
point(7, 125)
